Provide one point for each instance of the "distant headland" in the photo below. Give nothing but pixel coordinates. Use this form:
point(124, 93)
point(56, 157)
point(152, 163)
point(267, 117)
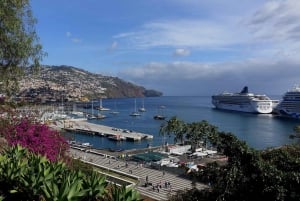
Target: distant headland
point(54, 83)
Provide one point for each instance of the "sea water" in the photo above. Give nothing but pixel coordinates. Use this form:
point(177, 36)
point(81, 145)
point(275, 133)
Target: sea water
point(259, 131)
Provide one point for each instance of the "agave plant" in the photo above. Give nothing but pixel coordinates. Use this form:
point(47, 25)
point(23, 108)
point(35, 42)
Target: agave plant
point(69, 190)
point(13, 165)
point(95, 184)
point(124, 194)
point(39, 173)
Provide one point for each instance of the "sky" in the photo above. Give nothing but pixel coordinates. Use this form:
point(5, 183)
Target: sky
point(178, 47)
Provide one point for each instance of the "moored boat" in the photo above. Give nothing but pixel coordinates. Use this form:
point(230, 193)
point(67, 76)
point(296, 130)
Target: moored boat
point(117, 138)
point(243, 102)
point(142, 109)
point(289, 106)
point(159, 117)
point(135, 113)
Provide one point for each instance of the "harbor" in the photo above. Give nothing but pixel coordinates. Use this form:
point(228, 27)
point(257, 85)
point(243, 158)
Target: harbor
point(85, 127)
point(258, 130)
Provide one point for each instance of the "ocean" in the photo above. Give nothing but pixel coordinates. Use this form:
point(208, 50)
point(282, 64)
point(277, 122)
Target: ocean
point(259, 131)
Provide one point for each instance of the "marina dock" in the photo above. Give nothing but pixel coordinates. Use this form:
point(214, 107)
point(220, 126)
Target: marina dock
point(117, 134)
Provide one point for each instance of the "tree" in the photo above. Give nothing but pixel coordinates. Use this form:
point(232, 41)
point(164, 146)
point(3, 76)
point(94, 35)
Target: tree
point(200, 131)
point(19, 45)
point(174, 126)
point(249, 174)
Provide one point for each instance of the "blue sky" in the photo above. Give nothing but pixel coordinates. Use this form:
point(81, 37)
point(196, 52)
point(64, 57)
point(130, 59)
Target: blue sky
point(179, 47)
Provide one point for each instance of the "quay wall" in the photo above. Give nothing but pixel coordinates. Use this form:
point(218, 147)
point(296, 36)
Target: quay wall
point(85, 127)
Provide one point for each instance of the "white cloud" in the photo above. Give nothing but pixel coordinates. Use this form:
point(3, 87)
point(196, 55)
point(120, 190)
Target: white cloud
point(284, 13)
point(267, 38)
point(76, 40)
point(192, 78)
point(73, 39)
point(113, 46)
point(185, 32)
point(273, 28)
point(276, 25)
point(68, 34)
point(181, 52)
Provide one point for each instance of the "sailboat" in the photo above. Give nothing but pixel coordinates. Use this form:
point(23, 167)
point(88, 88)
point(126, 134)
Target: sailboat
point(91, 116)
point(142, 109)
point(101, 108)
point(100, 115)
point(135, 112)
point(115, 111)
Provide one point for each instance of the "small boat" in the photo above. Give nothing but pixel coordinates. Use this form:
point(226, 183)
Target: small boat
point(86, 144)
point(100, 116)
point(135, 113)
point(101, 108)
point(115, 111)
point(159, 117)
point(116, 138)
point(90, 117)
point(142, 109)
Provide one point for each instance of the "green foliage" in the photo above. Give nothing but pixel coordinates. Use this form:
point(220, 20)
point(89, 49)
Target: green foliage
point(192, 195)
point(27, 176)
point(249, 174)
point(123, 194)
point(95, 185)
point(199, 131)
point(195, 132)
point(19, 45)
point(297, 129)
point(70, 188)
point(176, 127)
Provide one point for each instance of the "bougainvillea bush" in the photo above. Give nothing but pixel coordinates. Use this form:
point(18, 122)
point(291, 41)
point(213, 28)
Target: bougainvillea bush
point(35, 136)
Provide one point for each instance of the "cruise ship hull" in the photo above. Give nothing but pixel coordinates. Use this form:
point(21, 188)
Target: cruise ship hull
point(283, 113)
point(289, 106)
point(251, 107)
point(244, 102)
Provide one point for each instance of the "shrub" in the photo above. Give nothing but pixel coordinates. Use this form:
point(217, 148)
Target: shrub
point(37, 137)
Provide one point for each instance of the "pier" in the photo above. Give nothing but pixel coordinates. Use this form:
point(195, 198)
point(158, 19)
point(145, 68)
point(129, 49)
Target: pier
point(117, 134)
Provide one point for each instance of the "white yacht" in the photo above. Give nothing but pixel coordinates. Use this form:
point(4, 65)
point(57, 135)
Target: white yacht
point(289, 106)
point(142, 109)
point(100, 107)
point(243, 102)
point(135, 113)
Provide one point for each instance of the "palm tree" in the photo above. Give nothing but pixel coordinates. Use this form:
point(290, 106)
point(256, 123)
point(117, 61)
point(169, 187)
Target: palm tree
point(176, 127)
point(200, 131)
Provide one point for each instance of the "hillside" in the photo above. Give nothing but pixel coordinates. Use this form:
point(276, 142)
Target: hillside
point(53, 82)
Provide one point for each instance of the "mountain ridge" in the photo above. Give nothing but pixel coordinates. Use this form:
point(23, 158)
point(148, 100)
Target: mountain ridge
point(75, 84)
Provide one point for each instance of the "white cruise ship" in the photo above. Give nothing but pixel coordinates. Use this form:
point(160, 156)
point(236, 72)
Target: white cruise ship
point(289, 106)
point(243, 102)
